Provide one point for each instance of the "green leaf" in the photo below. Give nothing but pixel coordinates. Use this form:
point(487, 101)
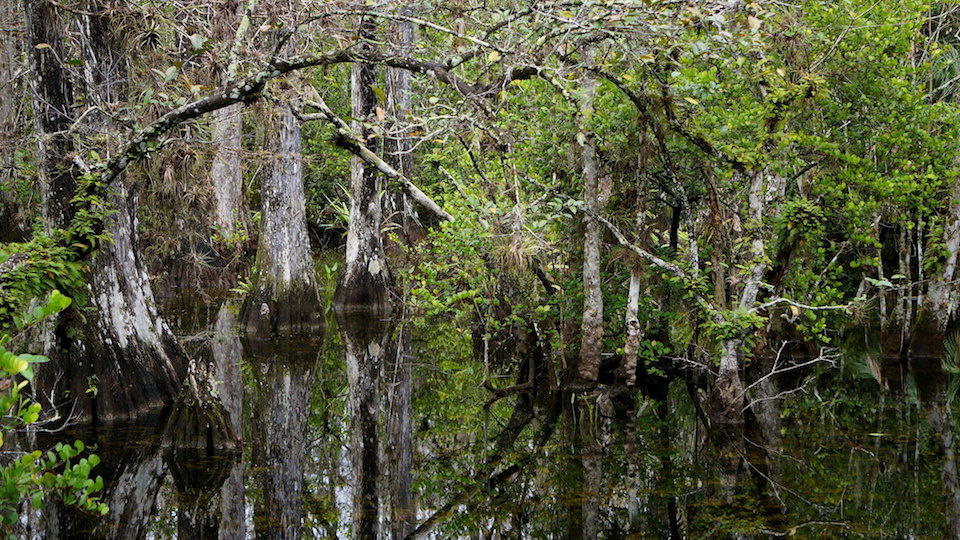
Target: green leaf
point(379, 92)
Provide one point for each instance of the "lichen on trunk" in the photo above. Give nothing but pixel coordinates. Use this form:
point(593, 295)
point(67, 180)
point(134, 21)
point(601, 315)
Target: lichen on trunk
point(126, 360)
point(284, 293)
point(366, 281)
point(591, 344)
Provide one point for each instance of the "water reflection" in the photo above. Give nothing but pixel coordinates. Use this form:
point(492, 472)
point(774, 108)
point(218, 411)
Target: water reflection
point(347, 436)
point(932, 392)
point(282, 373)
point(133, 467)
point(198, 480)
point(366, 341)
point(226, 352)
point(398, 447)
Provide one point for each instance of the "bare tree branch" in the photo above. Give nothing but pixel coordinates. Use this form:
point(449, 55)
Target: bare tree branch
point(346, 138)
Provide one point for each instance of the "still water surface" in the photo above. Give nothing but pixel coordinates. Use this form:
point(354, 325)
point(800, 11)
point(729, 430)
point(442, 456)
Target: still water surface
point(345, 437)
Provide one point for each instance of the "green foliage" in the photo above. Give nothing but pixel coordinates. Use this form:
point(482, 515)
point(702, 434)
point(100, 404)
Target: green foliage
point(734, 325)
point(36, 475)
point(38, 267)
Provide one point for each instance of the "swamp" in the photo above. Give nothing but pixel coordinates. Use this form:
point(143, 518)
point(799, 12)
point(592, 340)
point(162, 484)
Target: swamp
point(479, 269)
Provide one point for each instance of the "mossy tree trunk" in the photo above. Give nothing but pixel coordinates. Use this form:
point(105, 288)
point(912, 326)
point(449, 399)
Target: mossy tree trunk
point(366, 281)
point(126, 359)
point(284, 295)
point(12, 227)
point(119, 358)
point(937, 312)
point(226, 170)
point(591, 330)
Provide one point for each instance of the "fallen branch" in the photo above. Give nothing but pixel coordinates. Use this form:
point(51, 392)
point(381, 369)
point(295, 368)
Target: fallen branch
point(348, 139)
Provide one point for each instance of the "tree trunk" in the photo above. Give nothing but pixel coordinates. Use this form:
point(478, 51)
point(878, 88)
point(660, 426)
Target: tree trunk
point(632, 344)
point(399, 147)
point(12, 226)
point(940, 303)
point(591, 344)
point(764, 187)
point(284, 296)
point(398, 373)
point(127, 360)
point(52, 104)
point(129, 356)
point(226, 171)
point(366, 281)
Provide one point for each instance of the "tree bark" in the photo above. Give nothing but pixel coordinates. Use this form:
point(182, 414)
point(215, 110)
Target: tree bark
point(632, 345)
point(136, 361)
point(12, 226)
point(399, 147)
point(591, 344)
point(126, 360)
point(366, 281)
point(52, 103)
point(284, 296)
point(226, 171)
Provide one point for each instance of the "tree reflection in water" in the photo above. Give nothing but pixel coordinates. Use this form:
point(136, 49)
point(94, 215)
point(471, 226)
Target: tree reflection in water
point(282, 373)
point(325, 454)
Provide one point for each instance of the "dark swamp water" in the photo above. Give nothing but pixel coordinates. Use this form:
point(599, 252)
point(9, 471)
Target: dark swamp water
point(344, 437)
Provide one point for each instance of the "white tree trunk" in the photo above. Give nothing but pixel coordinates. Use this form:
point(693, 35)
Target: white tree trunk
point(591, 344)
point(366, 281)
point(226, 172)
point(284, 295)
point(632, 345)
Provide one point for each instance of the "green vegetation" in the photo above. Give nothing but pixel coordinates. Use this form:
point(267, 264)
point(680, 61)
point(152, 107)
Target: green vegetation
point(35, 474)
point(583, 204)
